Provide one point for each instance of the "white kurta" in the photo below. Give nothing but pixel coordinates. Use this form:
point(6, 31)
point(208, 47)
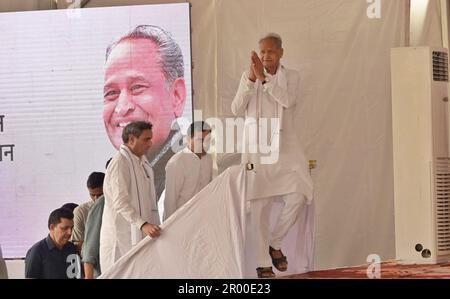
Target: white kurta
point(288, 178)
point(186, 175)
point(275, 99)
point(130, 201)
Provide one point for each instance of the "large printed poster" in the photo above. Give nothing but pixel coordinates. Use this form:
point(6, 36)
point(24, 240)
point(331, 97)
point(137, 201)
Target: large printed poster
point(70, 80)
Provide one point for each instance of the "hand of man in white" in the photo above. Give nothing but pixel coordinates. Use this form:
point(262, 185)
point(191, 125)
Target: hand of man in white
point(257, 66)
point(251, 76)
point(151, 230)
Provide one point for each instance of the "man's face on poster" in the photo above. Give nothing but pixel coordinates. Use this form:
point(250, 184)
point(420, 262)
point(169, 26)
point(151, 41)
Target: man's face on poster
point(136, 89)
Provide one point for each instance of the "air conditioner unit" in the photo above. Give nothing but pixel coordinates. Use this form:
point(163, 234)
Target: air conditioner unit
point(420, 118)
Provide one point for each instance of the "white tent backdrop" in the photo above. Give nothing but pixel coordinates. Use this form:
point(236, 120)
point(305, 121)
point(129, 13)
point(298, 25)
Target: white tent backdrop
point(345, 118)
point(426, 23)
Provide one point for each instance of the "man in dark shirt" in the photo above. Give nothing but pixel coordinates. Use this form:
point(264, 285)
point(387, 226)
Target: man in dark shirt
point(55, 257)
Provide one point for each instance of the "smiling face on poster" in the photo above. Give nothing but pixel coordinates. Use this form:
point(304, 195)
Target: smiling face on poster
point(64, 102)
point(144, 81)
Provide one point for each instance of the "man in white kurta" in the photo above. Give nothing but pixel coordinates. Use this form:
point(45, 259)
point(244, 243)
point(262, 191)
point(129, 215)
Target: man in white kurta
point(130, 211)
point(271, 91)
point(189, 170)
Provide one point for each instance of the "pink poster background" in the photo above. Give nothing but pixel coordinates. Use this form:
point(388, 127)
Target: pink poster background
point(51, 93)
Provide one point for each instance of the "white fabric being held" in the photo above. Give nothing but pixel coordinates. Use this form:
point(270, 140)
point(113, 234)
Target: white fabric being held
point(202, 239)
point(209, 237)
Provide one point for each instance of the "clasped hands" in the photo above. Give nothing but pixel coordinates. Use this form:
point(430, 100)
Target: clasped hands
point(256, 68)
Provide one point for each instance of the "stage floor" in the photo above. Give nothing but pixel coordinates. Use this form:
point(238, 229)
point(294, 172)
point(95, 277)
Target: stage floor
point(389, 270)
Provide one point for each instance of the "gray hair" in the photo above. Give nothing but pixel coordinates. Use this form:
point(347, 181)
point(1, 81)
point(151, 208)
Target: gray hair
point(275, 37)
point(135, 128)
point(171, 58)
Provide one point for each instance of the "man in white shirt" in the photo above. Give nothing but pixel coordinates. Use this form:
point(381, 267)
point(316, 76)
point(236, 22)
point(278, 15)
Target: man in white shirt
point(189, 170)
point(130, 211)
point(271, 91)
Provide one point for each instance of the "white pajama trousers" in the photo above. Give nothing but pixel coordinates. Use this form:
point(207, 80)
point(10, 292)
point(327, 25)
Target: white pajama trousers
point(260, 221)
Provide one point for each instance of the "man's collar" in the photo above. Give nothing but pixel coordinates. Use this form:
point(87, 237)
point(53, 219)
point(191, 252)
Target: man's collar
point(280, 67)
point(103, 195)
point(132, 155)
point(187, 150)
point(49, 242)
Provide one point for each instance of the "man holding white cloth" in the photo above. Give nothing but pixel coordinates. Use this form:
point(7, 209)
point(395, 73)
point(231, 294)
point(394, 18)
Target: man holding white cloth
point(268, 92)
point(130, 211)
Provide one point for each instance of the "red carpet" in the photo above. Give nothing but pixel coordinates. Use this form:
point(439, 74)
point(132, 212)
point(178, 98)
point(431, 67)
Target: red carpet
point(389, 270)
